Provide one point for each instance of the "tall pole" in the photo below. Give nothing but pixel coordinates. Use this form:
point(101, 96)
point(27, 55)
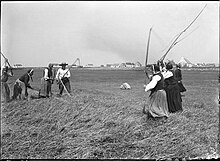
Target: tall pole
point(6, 60)
point(175, 40)
point(147, 52)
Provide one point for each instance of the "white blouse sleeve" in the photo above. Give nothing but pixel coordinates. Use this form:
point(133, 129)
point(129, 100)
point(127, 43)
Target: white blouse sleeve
point(167, 74)
point(46, 74)
point(152, 83)
point(67, 74)
point(58, 73)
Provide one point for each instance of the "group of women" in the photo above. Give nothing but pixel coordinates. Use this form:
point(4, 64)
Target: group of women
point(165, 91)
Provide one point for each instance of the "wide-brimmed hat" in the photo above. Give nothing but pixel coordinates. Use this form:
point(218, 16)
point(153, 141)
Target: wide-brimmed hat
point(63, 64)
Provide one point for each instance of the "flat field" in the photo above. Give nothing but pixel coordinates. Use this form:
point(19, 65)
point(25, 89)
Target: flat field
point(101, 121)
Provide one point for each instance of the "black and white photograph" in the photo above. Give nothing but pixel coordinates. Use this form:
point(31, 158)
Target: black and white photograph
point(110, 80)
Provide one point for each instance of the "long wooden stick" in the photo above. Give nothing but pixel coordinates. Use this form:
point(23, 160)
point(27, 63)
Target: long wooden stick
point(65, 88)
point(175, 40)
point(71, 66)
point(145, 80)
point(6, 59)
point(148, 45)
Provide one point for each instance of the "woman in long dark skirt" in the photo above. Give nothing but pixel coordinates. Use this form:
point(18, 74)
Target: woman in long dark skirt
point(178, 78)
point(157, 103)
point(172, 90)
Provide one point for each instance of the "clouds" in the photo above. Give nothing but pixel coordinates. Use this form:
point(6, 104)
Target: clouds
point(105, 32)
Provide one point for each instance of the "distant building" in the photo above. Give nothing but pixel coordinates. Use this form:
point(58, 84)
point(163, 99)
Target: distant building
point(130, 65)
point(108, 65)
point(138, 64)
point(200, 64)
point(17, 65)
point(122, 65)
point(206, 65)
point(185, 62)
point(89, 65)
point(210, 65)
point(115, 65)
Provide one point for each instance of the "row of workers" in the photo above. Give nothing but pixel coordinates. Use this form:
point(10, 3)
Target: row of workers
point(22, 84)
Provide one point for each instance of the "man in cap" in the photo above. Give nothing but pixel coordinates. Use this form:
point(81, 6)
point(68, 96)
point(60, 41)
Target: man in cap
point(47, 81)
point(62, 78)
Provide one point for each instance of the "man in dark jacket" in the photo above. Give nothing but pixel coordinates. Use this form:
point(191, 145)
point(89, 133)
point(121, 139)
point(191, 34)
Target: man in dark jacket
point(47, 81)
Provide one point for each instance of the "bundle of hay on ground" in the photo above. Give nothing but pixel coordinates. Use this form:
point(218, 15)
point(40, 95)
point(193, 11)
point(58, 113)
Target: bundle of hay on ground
point(125, 86)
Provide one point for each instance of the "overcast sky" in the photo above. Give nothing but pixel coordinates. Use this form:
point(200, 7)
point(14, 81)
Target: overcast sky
point(101, 32)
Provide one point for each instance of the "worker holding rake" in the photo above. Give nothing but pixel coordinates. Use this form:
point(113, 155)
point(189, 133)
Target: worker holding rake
point(4, 78)
point(6, 72)
point(62, 78)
